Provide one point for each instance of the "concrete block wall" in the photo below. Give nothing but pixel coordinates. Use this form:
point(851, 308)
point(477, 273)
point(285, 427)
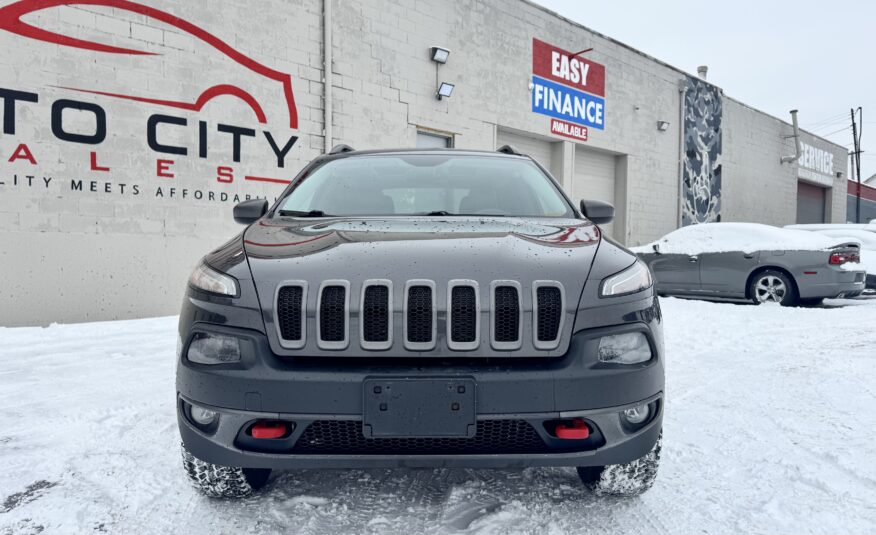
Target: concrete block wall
point(756, 186)
point(491, 65)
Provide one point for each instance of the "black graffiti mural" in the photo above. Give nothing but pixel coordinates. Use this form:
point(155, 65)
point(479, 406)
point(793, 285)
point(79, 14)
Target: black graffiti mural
point(701, 198)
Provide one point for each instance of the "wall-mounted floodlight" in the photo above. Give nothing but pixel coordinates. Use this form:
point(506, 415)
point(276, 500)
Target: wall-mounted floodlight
point(440, 54)
point(663, 126)
point(445, 90)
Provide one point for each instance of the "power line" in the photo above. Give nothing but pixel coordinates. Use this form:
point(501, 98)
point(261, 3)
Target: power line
point(821, 122)
point(831, 124)
point(836, 131)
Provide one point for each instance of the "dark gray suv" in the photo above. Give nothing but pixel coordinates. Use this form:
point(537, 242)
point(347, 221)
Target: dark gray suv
point(420, 308)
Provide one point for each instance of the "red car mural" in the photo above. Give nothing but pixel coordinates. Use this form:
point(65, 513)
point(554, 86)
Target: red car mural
point(10, 20)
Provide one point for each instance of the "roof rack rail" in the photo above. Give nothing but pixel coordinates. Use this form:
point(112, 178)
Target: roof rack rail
point(509, 149)
point(340, 149)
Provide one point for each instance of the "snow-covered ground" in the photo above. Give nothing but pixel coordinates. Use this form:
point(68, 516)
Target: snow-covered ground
point(770, 428)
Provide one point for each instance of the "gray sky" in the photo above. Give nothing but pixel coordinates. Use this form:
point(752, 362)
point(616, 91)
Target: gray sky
point(774, 55)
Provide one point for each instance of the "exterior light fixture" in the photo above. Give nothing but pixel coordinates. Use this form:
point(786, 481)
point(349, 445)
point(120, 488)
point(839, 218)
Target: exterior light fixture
point(439, 54)
point(663, 126)
point(445, 90)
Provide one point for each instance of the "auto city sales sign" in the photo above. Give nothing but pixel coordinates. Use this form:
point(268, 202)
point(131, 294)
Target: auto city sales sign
point(569, 89)
point(177, 132)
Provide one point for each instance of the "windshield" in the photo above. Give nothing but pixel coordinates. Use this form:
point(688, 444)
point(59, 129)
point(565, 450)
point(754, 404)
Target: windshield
point(425, 184)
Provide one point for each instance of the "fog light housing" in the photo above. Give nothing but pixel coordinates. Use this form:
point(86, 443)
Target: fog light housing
point(202, 415)
point(626, 348)
point(637, 415)
point(210, 348)
point(207, 420)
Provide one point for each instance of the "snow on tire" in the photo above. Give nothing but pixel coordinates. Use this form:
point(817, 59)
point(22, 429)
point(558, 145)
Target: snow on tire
point(213, 480)
point(629, 479)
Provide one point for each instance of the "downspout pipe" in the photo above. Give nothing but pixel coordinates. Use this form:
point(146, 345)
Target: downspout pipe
point(796, 136)
point(682, 95)
point(327, 79)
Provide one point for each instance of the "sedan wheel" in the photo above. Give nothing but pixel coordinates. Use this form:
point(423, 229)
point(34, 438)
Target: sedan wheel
point(772, 287)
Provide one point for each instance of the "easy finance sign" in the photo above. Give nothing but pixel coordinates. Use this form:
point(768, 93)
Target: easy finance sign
point(568, 88)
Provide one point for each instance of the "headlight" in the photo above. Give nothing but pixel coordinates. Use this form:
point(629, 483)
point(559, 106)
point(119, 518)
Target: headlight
point(627, 348)
point(208, 279)
point(631, 280)
point(213, 349)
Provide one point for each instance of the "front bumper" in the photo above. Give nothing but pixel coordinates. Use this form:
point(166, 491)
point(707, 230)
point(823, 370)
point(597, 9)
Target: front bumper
point(617, 445)
point(535, 390)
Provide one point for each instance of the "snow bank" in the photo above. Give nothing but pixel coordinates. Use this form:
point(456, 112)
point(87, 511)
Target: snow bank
point(768, 429)
point(744, 237)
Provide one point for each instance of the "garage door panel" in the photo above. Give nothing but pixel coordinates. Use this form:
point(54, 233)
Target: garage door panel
point(594, 178)
point(810, 203)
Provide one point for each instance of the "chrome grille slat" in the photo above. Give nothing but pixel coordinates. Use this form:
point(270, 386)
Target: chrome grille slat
point(463, 315)
point(548, 313)
point(506, 327)
point(333, 315)
point(376, 317)
point(290, 307)
point(420, 319)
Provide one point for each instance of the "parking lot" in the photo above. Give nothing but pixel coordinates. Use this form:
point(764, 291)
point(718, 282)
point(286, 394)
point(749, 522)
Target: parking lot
point(769, 428)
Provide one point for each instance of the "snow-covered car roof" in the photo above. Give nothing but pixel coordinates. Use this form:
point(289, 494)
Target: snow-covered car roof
point(868, 227)
point(867, 238)
point(744, 237)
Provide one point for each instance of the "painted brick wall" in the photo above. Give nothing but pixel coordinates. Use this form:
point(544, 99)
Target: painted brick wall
point(116, 248)
point(757, 187)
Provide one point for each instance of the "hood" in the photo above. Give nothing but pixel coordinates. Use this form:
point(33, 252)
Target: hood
point(402, 249)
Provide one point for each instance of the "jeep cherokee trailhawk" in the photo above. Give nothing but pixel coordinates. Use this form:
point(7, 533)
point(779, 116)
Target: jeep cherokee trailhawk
point(420, 308)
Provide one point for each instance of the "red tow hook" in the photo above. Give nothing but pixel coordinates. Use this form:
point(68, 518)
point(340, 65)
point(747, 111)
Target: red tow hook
point(577, 431)
point(265, 429)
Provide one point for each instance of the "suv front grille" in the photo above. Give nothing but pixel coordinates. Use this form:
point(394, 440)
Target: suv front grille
point(333, 314)
point(289, 310)
point(371, 319)
point(375, 314)
point(345, 437)
point(549, 309)
point(419, 315)
point(463, 314)
point(506, 315)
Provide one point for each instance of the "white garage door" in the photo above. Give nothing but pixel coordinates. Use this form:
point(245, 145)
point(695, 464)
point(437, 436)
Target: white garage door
point(594, 178)
point(539, 149)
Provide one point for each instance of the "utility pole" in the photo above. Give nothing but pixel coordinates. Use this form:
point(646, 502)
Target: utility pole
point(856, 159)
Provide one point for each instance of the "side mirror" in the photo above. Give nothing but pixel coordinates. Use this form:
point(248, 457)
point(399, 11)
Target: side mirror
point(656, 248)
point(597, 211)
point(250, 211)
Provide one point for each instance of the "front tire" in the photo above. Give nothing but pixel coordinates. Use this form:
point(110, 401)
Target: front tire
point(624, 480)
point(772, 286)
point(223, 481)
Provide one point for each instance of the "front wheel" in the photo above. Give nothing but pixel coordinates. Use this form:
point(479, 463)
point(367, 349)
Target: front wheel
point(223, 481)
point(772, 286)
point(625, 480)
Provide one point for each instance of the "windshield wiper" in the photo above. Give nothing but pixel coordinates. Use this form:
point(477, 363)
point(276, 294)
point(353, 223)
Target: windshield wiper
point(439, 212)
point(296, 213)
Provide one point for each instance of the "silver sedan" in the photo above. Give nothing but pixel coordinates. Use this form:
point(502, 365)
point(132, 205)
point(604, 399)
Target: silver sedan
point(754, 262)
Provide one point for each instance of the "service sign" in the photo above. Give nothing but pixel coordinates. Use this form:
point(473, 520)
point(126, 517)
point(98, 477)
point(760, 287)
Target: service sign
point(815, 165)
point(569, 89)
